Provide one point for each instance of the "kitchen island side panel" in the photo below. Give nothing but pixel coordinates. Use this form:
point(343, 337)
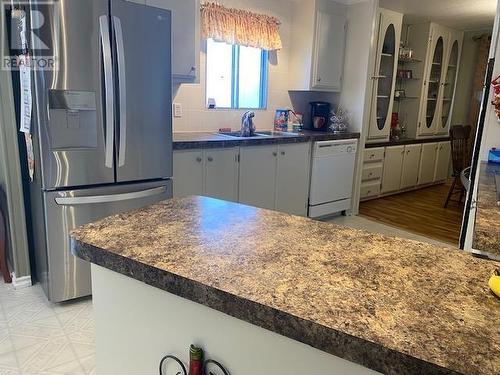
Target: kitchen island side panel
point(137, 324)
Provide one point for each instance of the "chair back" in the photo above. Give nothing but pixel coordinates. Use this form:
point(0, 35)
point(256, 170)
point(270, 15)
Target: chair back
point(460, 151)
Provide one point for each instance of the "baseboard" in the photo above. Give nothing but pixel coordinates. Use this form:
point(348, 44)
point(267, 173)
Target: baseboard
point(21, 282)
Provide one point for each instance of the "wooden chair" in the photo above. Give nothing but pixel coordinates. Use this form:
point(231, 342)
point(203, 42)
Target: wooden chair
point(4, 270)
point(461, 158)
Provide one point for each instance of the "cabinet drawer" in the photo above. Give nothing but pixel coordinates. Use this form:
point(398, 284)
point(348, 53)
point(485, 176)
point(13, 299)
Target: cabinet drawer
point(372, 171)
point(370, 189)
point(374, 154)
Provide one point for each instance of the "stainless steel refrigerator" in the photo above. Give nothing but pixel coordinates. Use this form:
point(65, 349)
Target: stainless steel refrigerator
point(102, 128)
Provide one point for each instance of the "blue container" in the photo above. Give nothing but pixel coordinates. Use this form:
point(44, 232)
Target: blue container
point(494, 156)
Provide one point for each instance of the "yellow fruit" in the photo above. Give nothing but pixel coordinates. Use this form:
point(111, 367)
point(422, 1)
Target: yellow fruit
point(494, 284)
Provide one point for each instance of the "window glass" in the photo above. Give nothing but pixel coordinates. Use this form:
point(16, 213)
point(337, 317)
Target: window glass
point(236, 76)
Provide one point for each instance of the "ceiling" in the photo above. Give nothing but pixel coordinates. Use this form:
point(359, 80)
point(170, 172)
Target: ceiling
point(466, 15)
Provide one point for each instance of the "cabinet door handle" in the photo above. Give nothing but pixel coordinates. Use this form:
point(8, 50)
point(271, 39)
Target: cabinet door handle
point(283, 153)
point(319, 79)
point(198, 159)
point(210, 159)
point(275, 153)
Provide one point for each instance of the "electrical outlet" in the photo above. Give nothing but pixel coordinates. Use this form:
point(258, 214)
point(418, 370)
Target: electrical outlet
point(177, 110)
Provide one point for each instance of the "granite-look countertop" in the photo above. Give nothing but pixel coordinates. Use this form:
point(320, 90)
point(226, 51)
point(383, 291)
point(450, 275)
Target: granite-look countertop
point(194, 140)
point(406, 141)
point(487, 226)
point(393, 305)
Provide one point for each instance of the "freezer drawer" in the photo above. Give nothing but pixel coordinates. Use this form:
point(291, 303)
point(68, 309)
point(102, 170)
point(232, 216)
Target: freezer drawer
point(67, 276)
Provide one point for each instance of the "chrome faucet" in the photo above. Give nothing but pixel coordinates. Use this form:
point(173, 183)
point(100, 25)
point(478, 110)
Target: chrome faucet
point(247, 125)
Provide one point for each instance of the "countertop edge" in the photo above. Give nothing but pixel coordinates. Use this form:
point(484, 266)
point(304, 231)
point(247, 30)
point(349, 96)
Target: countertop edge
point(403, 142)
point(331, 341)
point(236, 142)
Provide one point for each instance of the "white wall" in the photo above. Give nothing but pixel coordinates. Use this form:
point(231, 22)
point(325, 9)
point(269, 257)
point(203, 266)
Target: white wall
point(358, 45)
point(468, 62)
point(358, 89)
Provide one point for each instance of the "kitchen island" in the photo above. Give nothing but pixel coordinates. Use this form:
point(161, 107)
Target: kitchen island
point(270, 293)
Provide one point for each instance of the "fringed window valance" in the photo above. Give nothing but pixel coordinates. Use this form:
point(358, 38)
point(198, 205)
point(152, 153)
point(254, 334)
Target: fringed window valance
point(235, 26)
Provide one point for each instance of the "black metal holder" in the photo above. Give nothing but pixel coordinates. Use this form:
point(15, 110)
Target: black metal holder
point(175, 359)
point(215, 363)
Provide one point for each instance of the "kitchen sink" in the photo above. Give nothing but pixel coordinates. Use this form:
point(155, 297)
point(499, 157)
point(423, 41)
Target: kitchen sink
point(259, 134)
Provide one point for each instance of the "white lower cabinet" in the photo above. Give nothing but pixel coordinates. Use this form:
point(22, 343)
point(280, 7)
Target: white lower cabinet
point(292, 182)
point(258, 166)
point(188, 173)
point(411, 161)
point(427, 163)
point(221, 173)
point(210, 172)
point(275, 177)
point(443, 156)
point(393, 166)
point(404, 167)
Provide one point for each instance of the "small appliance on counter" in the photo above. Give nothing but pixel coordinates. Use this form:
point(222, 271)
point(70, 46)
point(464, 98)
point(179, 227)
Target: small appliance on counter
point(320, 114)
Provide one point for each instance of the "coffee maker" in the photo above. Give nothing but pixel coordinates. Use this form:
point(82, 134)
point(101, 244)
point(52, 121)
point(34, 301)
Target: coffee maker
point(320, 115)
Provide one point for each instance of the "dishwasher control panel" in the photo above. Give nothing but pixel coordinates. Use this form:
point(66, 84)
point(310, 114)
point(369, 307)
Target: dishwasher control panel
point(329, 148)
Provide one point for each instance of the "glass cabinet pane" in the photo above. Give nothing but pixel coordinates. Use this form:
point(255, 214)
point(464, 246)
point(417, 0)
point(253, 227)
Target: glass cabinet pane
point(434, 82)
point(386, 76)
point(449, 84)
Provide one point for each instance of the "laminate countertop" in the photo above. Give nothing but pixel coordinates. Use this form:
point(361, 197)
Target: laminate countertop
point(487, 226)
point(406, 141)
point(195, 140)
point(393, 305)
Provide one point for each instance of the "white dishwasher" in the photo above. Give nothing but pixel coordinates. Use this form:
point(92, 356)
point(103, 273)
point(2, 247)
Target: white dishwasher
point(332, 177)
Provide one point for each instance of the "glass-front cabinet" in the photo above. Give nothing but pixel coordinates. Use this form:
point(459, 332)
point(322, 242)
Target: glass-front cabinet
point(440, 81)
point(384, 77)
point(449, 82)
point(431, 100)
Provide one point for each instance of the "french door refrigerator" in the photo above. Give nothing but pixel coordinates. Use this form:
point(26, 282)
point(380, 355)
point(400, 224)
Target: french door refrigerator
point(102, 129)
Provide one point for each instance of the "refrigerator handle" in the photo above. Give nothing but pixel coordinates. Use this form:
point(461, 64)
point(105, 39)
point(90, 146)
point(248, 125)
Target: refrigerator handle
point(78, 201)
point(122, 90)
point(108, 89)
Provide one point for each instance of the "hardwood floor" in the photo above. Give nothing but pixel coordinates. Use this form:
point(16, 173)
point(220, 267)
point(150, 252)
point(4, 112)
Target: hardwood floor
point(420, 211)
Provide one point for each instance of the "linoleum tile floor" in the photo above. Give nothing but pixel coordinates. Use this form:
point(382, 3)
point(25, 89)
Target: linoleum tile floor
point(40, 338)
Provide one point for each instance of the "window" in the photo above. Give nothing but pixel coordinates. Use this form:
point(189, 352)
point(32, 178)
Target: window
point(236, 76)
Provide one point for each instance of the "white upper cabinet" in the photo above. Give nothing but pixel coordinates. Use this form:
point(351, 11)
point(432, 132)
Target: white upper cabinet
point(449, 80)
point(440, 48)
point(430, 113)
point(384, 74)
point(319, 30)
point(185, 37)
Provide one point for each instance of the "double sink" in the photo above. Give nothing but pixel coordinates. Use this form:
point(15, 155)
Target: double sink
point(260, 134)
